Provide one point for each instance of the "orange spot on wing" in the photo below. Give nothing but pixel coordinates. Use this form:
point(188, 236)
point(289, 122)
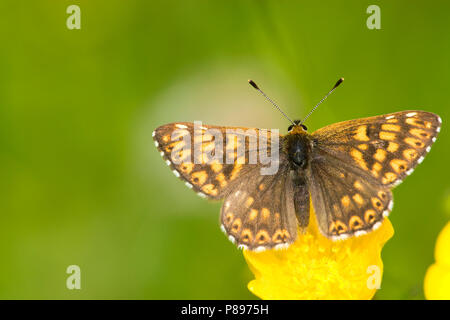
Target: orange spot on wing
point(361, 134)
point(358, 185)
point(410, 154)
point(384, 135)
point(356, 223)
point(369, 216)
point(222, 180)
point(166, 138)
point(186, 167)
point(382, 195)
point(419, 123)
point(216, 166)
point(262, 237)
point(358, 157)
point(237, 223)
point(413, 142)
point(345, 200)
point(278, 236)
point(419, 133)
point(210, 189)
point(358, 199)
point(380, 155)
point(376, 168)
point(246, 236)
point(228, 218)
point(390, 127)
point(363, 146)
point(253, 214)
point(392, 147)
point(388, 178)
point(265, 213)
point(237, 168)
point(249, 202)
point(199, 177)
point(340, 227)
point(377, 203)
point(399, 165)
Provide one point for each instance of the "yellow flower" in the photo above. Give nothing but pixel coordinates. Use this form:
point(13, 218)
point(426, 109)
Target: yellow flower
point(437, 279)
point(314, 267)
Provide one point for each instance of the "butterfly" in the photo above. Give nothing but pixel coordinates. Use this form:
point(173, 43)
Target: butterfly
point(346, 169)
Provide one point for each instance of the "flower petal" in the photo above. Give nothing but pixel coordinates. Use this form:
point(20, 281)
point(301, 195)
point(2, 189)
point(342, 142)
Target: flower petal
point(437, 278)
point(315, 267)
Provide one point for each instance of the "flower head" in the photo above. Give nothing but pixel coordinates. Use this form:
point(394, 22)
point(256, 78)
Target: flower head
point(314, 267)
point(437, 278)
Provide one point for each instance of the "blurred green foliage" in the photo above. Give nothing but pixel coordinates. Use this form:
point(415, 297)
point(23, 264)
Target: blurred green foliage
point(82, 183)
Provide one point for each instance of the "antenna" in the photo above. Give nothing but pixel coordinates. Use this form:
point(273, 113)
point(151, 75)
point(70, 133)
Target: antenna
point(326, 96)
point(253, 84)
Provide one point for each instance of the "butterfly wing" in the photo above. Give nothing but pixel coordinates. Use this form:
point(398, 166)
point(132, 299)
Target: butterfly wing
point(260, 213)
point(211, 158)
point(219, 163)
point(346, 201)
point(355, 164)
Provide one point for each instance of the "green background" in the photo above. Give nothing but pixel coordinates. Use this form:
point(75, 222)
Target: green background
point(82, 183)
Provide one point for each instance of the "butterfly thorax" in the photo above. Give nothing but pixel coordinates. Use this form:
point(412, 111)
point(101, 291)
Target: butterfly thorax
point(297, 144)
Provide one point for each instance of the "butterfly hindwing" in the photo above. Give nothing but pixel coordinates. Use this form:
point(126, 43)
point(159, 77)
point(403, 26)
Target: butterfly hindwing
point(346, 203)
point(260, 213)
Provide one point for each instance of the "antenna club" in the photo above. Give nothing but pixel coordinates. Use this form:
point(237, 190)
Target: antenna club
point(338, 83)
point(253, 84)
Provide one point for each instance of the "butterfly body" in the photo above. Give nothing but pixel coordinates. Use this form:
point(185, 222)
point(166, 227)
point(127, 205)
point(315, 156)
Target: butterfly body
point(298, 144)
point(346, 170)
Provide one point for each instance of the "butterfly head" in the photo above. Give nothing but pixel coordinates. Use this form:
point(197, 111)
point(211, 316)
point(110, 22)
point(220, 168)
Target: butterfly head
point(297, 127)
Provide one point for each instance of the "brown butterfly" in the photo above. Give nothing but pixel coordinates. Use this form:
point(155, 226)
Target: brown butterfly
point(348, 169)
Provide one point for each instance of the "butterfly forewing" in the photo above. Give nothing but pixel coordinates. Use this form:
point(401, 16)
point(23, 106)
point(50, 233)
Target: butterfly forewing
point(388, 147)
point(357, 162)
point(191, 153)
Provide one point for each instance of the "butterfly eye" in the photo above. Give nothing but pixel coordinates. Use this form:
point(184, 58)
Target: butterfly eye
point(304, 127)
point(290, 127)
